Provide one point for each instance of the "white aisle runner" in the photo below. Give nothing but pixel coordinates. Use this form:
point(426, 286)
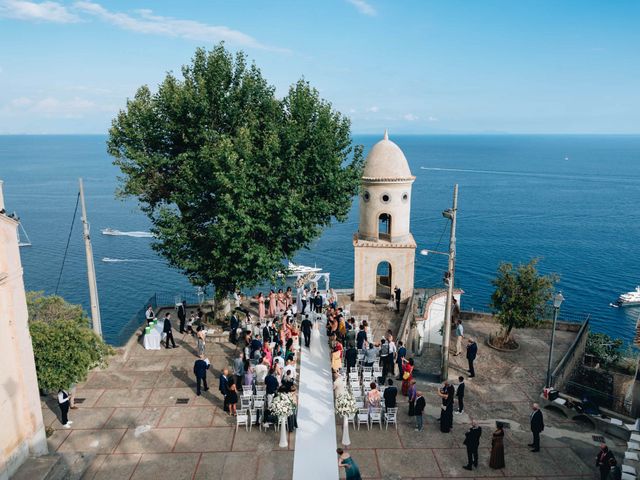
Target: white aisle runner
point(315, 452)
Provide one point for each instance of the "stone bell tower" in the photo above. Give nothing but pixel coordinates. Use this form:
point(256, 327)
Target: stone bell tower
point(384, 248)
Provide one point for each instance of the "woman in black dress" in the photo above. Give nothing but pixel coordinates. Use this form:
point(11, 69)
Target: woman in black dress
point(232, 398)
point(447, 393)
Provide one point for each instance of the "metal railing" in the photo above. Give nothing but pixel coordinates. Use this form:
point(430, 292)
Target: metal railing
point(600, 398)
point(572, 358)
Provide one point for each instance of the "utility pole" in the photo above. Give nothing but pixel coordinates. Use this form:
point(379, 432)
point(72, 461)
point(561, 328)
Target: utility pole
point(450, 213)
point(91, 271)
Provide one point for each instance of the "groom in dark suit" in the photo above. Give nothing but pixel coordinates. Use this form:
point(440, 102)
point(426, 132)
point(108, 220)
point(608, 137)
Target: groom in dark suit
point(537, 426)
point(472, 441)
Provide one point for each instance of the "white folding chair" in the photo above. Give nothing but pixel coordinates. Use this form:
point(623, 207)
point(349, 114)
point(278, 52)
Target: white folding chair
point(247, 388)
point(359, 402)
point(633, 446)
point(367, 377)
point(254, 417)
point(246, 394)
point(376, 416)
point(353, 376)
point(242, 419)
point(363, 417)
point(635, 438)
point(356, 392)
point(261, 390)
point(245, 403)
point(628, 476)
point(391, 416)
point(629, 470)
point(258, 404)
point(352, 419)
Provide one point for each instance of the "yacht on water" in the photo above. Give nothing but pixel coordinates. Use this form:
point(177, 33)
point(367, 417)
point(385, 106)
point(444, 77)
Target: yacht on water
point(117, 233)
point(628, 299)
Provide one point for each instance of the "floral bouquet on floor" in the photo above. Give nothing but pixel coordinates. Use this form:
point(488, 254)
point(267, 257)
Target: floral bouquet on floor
point(282, 405)
point(346, 404)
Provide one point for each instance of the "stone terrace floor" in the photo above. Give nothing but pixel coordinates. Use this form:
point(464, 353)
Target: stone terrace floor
point(130, 421)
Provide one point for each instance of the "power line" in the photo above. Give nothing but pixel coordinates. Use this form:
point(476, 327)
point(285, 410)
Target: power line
point(75, 211)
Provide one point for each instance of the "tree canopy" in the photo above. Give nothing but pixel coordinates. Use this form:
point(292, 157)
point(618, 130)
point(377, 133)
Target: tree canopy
point(606, 350)
point(520, 295)
point(64, 347)
point(233, 178)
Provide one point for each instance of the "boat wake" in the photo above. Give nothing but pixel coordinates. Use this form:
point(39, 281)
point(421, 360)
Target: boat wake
point(122, 260)
point(118, 233)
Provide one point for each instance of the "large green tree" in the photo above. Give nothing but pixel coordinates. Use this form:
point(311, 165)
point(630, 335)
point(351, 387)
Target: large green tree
point(233, 178)
point(64, 347)
point(520, 296)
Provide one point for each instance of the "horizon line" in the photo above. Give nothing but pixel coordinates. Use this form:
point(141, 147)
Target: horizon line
point(91, 134)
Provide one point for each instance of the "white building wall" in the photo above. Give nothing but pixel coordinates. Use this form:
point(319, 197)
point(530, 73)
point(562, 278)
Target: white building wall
point(430, 327)
point(21, 425)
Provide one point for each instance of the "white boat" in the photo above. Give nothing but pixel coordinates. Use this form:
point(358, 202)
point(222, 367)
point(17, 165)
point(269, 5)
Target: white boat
point(628, 299)
point(293, 269)
point(118, 233)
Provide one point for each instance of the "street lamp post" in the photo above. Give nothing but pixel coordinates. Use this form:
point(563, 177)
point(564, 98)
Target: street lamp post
point(451, 214)
point(557, 301)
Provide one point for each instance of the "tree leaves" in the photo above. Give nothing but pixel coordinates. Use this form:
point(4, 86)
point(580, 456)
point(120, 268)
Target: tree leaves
point(520, 295)
point(234, 179)
point(65, 348)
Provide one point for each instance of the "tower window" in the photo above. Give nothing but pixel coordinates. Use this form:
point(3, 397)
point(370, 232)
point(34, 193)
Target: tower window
point(384, 227)
point(386, 198)
point(405, 197)
point(366, 196)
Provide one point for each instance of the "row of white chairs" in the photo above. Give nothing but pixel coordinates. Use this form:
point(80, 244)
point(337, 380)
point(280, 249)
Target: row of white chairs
point(376, 415)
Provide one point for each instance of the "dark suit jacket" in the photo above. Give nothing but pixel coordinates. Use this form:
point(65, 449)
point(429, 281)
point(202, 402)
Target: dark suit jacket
point(351, 355)
point(402, 352)
point(166, 328)
point(306, 325)
point(200, 368)
point(472, 351)
point(266, 334)
point(472, 437)
point(390, 394)
point(460, 391)
point(224, 385)
point(420, 404)
point(537, 422)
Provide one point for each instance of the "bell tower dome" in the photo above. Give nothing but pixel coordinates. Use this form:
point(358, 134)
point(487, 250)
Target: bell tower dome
point(384, 247)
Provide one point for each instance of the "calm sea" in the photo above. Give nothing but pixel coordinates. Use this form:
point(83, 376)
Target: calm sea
point(572, 201)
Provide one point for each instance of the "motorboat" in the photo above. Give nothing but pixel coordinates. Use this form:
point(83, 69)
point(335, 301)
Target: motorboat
point(294, 269)
point(628, 299)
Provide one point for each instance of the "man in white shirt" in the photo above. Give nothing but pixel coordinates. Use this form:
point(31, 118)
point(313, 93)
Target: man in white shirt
point(459, 336)
point(63, 403)
point(149, 315)
point(290, 368)
point(391, 359)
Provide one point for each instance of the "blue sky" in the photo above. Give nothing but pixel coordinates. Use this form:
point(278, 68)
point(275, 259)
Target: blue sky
point(418, 66)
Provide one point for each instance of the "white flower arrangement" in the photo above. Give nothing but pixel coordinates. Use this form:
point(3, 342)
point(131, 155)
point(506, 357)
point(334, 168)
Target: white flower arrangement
point(282, 405)
point(346, 404)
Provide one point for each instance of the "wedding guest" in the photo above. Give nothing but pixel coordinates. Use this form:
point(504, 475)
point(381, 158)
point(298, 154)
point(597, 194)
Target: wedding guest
point(459, 334)
point(63, 403)
point(603, 461)
point(200, 368)
point(460, 394)
point(373, 397)
point(472, 442)
point(537, 426)
point(201, 335)
point(496, 460)
point(351, 469)
point(420, 404)
point(238, 368)
point(272, 303)
point(223, 387)
point(351, 357)
point(472, 352)
point(447, 393)
point(149, 315)
point(400, 355)
point(390, 395)
point(233, 399)
point(168, 330)
point(407, 374)
point(412, 394)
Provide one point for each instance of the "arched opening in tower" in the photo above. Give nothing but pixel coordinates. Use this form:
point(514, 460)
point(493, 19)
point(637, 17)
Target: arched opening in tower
point(384, 227)
point(383, 280)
